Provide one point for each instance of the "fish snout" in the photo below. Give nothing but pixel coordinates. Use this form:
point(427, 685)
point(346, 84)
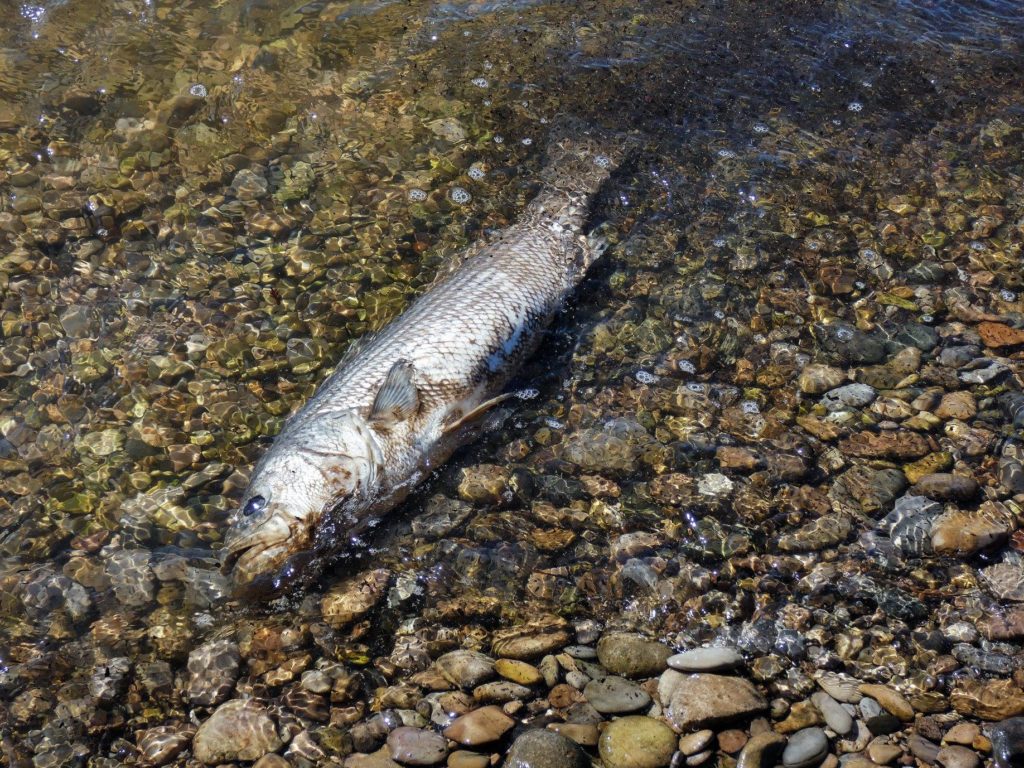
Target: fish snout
point(258, 544)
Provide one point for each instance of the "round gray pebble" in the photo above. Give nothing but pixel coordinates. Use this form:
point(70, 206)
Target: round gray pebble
point(805, 748)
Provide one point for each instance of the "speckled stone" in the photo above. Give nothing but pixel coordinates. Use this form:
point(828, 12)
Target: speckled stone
point(615, 695)
point(637, 742)
point(632, 655)
point(416, 746)
point(538, 748)
point(705, 700)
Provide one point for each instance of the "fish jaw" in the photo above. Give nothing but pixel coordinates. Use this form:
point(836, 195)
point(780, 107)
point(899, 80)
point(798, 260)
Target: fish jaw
point(259, 546)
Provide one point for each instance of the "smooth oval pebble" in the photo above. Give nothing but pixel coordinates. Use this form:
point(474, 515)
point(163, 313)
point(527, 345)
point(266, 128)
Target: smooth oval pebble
point(637, 741)
point(415, 746)
point(518, 671)
point(706, 660)
point(760, 749)
point(615, 695)
point(539, 748)
point(466, 669)
point(805, 748)
point(837, 718)
point(630, 655)
point(480, 726)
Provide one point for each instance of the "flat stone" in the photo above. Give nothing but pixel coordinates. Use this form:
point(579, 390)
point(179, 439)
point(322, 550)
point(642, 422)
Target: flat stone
point(462, 758)
point(957, 405)
point(416, 746)
point(237, 730)
point(354, 597)
point(630, 655)
point(849, 396)
point(615, 695)
point(805, 748)
point(731, 740)
point(706, 700)
point(584, 734)
point(963, 533)
point(481, 726)
point(465, 669)
point(636, 741)
point(706, 660)
point(816, 379)
point(988, 699)
point(692, 743)
point(539, 748)
point(882, 752)
point(946, 486)
point(518, 671)
point(840, 687)
point(532, 639)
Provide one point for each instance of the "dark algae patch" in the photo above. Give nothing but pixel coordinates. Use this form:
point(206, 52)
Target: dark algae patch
point(767, 496)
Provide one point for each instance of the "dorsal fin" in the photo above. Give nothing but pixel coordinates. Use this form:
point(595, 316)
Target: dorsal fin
point(397, 399)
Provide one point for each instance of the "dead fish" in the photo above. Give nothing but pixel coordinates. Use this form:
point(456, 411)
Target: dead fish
point(397, 407)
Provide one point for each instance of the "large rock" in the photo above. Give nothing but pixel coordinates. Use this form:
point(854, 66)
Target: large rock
point(706, 700)
point(538, 748)
point(630, 655)
point(637, 742)
point(238, 730)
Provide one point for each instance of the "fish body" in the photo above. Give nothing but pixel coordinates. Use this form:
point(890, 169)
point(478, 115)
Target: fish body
point(399, 406)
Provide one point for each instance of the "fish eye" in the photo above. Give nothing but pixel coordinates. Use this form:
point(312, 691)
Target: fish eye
point(254, 505)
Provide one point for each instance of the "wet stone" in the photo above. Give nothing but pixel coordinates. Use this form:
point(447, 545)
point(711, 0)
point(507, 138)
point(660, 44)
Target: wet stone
point(956, 532)
point(988, 699)
point(636, 741)
point(531, 640)
point(850, 396)
point(817, 379)
point(714, 659)
point(805, 748)
point(213, 669)
point(958, 757)
point(484, 484)
point(632, 655)
point(465, 669)
point(518, 671)
point(354, 597)
point(944, 486)
point(415, 746)
point(1008, 742)
point(1005, 581)
point(237, 730)
point(836, 717)
point(540, 748)
point(760, 750)
point(160, 745)
point(616, 695)
point(481, 726)
point(706, 700)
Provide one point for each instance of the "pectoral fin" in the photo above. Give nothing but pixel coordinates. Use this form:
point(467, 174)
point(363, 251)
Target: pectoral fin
point(476, 413)
point(397, 399)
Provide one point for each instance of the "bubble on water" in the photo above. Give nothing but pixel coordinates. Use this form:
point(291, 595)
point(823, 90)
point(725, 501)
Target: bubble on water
point(927, 318)
point(855, 106)
point(527, 394)
point(554, 423)
point(526, 141)
point(749, 406)
point(1007, 295)
point(860, 285)
point(686, 366)
point(726, 153)
point(844, 334)
point(696, 386)
point(602, 161)
point(718, 242)
point(719, 314)
point(459, 195)
point(977, 245)
point(480, 82)
point(417, 195)
point(645, 377)
point(760, 128)
point(198, 90)
point(476, 171)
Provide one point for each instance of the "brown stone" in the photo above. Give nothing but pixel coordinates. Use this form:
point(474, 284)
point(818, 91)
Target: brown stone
point(957, 405)
point(732, 740)
point(733, 457)
point(1007, 624)
point(988, 699)
point(1000, 335)
point(354, 597)
point(705, 700)
point(480, 726)
point(891, 701)
point(894, 444)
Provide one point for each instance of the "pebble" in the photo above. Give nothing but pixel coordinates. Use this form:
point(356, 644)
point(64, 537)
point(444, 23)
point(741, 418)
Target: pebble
point(923, 749)
point(890, 700)
point(849, 396)
point(732, 740)
point(988, 699)
point(703, 700)
point(945, 486)
point(465, 669)
point(272, 761)
point(692, 743)
point(238, 730)
point(716, 659)
point(213, 670)
point(760, 750)
point(956, 756)
point(805, 748)
point(1008, 742)
point(883, 724)
point(637, 741)
point(615, 695)
point(836, 717)
point(416, 746)
point(840, 687)
point(518, 671)
point(534, 639)
point(481, 726)
point(539, 748)
point(882, 752)
point(584, 734)
point(632, 655)
point(354, 597)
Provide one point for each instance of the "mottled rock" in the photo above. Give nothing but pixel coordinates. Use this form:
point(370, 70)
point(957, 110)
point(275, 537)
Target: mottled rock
point(849, 396)
point(988, 699)
point(237, 730)
point(816, 379)
point(958, 757)
point(1004, 580)
point(961, 533)
point(484, 484)
point(840, 687)
point(896, 444)
point(538, 748)
point(213, 670)
point(706, 700)
point(354, 597)
point(957, 405)
point(533, 639)
point(632, 655)
point(416, 746)
point(637, 742)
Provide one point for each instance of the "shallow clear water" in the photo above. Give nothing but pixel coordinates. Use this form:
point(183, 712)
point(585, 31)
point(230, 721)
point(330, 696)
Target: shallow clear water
point(203, 204)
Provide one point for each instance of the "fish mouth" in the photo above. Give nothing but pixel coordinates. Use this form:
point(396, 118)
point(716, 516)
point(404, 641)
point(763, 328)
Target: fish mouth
point(258, 551)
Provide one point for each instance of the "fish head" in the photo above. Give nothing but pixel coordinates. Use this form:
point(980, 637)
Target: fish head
point(278, 532)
